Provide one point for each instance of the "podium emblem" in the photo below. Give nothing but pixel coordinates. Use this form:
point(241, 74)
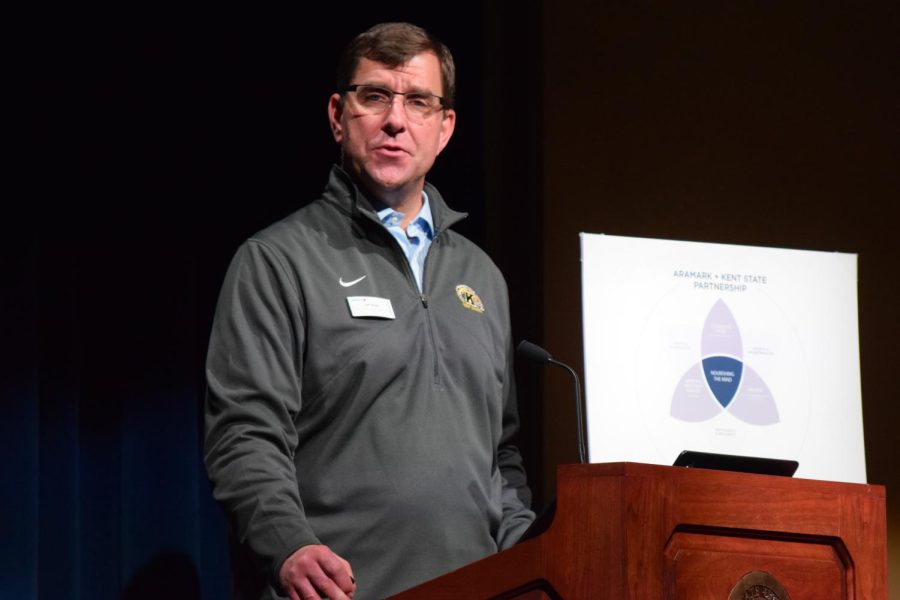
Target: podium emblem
point(758, 585)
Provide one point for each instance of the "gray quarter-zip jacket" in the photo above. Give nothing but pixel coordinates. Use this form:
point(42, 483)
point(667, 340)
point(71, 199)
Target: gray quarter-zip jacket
point(384, 437)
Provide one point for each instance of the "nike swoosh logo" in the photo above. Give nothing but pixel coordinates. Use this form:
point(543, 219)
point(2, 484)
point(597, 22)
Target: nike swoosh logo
point(349, 283)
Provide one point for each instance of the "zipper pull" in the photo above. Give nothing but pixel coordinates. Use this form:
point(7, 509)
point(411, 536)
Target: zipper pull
point(424, 300)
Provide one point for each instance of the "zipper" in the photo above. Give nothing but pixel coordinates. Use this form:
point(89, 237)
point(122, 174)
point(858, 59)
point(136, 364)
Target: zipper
point(423, 297)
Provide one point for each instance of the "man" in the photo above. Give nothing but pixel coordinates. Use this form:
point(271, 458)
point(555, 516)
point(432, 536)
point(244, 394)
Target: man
point(360, 395)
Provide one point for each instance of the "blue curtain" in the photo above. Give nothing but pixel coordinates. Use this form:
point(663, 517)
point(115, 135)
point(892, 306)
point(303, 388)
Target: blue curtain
point(104, 493)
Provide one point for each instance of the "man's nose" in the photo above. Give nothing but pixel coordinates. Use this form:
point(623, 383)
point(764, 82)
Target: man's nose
point(395, 117)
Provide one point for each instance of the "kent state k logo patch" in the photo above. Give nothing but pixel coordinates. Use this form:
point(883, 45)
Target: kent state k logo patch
point(469, 298)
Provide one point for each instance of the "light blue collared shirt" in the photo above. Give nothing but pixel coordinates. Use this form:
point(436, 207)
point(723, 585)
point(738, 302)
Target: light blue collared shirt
point(416, 239)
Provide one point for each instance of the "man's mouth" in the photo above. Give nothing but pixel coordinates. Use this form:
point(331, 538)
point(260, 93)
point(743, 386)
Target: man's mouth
point(390, 150)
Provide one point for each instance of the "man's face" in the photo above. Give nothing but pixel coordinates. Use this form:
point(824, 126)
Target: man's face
point(388, 153)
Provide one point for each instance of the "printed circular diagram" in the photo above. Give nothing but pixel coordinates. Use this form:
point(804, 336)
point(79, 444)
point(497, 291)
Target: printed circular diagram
point(723, 373)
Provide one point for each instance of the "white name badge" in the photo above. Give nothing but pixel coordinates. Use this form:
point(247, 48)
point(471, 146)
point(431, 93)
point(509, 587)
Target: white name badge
point(369, 306)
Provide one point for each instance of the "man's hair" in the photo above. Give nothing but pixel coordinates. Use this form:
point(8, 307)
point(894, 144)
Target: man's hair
point(394, 44)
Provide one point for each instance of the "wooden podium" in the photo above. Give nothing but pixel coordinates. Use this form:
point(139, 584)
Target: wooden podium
point(634, 531)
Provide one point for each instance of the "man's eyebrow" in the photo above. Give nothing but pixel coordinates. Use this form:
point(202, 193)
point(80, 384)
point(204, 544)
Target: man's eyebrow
point(415, 89)
point(420, 90)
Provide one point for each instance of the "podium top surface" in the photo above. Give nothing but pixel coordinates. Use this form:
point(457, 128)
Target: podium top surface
point(686, 475)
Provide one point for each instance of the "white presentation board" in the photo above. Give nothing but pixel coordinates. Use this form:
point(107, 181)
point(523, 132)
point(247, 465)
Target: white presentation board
point(721, 348)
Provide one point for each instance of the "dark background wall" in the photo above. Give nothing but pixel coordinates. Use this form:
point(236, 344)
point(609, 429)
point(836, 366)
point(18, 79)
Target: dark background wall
point(157, 142)
point(770, 124)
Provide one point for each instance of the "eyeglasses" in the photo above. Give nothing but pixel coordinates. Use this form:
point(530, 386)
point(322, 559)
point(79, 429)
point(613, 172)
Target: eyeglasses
point(375, 100)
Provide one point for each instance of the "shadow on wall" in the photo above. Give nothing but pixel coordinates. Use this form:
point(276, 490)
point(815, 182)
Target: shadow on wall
point(170, 574)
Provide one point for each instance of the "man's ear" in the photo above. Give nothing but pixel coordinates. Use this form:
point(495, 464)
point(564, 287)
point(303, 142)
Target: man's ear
point(448, 124)
point(335, 110)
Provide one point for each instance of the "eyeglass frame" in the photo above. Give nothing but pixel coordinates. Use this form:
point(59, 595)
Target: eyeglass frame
point(354, 87)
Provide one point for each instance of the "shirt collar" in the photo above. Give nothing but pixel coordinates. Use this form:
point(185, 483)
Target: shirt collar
point(424, 219)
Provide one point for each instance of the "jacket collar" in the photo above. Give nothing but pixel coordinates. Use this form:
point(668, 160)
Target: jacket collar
point(343, 191)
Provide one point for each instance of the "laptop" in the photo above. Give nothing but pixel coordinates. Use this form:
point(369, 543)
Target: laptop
point(733, 462)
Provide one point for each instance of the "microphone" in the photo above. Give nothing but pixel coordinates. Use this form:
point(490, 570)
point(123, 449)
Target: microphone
point(533, 352)
point(537, 354)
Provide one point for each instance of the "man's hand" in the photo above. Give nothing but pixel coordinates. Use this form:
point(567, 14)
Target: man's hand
point(315, 571)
